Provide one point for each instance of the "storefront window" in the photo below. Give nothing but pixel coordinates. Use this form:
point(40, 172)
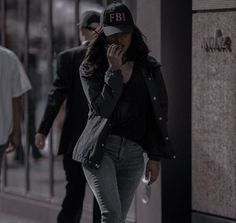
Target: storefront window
point(41, 79)
point(63, 38)
point(14, 40)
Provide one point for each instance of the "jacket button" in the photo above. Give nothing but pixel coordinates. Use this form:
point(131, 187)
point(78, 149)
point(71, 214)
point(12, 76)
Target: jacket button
point(102, 145)
point(149, 78)
point(167, 138)
point(109, 124)
point(97, 165)
point(154, 98)
point(160, 118)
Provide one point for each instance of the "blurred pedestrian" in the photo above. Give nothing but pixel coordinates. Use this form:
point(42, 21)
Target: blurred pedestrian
point(127, 114)
point(67, 86)
point(13, 85)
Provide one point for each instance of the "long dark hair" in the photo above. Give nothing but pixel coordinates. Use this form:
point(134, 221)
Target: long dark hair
point(96, 53)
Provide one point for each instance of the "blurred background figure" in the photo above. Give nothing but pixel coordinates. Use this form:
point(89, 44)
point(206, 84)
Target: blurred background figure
point(67, 87)
point(13, 85)
point(33, 99)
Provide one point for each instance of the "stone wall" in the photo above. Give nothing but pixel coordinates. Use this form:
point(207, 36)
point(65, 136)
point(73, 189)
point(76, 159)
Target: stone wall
point(214, 114)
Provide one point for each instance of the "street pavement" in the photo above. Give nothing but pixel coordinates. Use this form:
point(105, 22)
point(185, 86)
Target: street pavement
point(6, 218)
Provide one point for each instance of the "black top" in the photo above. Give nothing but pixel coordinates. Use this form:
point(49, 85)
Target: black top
point(130, 115)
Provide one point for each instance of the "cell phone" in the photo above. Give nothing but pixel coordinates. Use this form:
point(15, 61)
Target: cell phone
point(107, 43)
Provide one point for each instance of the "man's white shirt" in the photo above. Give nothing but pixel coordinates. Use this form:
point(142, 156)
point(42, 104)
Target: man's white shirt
point(13, 83)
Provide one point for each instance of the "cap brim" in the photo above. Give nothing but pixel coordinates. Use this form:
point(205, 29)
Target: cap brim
point(110, 30)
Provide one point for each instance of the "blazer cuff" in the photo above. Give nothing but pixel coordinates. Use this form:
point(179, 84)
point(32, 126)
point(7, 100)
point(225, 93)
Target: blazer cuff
point(44, 128)
point(153, 157)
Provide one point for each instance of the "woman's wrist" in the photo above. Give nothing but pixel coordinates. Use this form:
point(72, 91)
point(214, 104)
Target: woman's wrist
point(114, 68)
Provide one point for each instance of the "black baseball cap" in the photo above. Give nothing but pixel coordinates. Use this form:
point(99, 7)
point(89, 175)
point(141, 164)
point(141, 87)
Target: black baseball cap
point(89, 17)
point(116, 18)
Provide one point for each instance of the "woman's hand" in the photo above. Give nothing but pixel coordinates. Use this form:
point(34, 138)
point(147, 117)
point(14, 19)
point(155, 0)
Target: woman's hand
point(114, 56)
point(152, 171)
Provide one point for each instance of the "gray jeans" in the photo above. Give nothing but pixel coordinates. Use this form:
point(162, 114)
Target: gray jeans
point(114, 183)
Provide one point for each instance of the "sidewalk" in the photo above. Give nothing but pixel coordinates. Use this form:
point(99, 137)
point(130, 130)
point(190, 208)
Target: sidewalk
point(6, 218)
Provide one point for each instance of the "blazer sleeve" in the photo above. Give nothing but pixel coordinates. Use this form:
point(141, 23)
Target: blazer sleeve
point(155, 69)
point(57, 94)
point(152, 136)
point(102, 94)
point(162, 92)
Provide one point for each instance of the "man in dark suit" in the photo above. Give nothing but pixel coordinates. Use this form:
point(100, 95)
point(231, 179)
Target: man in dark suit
point(67, 86)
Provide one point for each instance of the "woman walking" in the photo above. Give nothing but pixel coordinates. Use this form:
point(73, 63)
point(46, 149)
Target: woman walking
point(127, 114)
